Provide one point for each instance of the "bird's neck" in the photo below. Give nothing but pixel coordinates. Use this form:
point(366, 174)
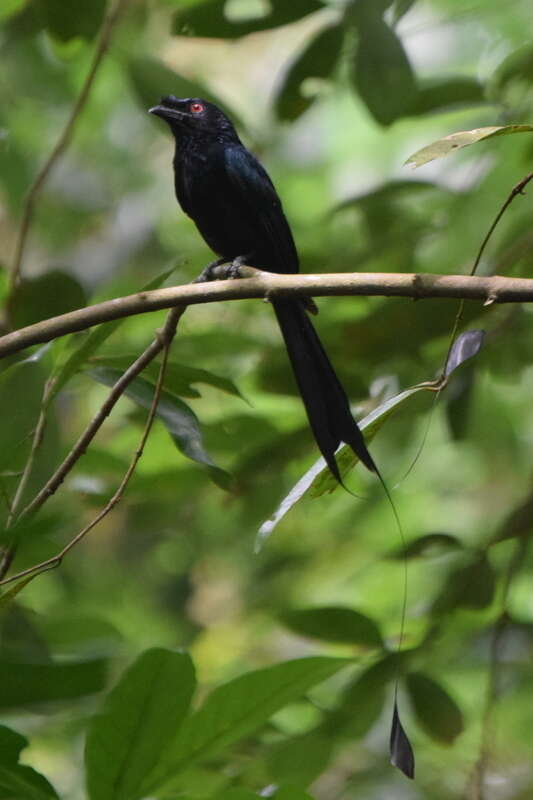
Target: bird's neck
point(201, 146)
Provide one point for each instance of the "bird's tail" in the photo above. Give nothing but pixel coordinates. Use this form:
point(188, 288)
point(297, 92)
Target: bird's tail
point(324, 398)
point(332, 423)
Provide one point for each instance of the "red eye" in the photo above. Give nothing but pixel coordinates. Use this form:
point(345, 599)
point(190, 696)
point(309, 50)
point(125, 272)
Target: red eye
point(197, 108)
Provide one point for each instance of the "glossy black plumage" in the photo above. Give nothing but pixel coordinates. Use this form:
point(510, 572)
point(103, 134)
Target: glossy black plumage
point(231, 199)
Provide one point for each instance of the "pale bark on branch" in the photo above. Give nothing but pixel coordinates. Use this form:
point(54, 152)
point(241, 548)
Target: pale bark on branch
point(493, 289)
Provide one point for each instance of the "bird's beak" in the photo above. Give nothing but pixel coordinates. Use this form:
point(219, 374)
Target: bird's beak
point(166, 113)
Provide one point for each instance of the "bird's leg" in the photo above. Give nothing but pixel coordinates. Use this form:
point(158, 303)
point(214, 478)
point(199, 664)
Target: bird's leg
point(221, 270)
point(209, 273)
point(234, 269)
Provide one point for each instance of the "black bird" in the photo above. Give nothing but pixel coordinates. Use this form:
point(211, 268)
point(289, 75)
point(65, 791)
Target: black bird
point(231, 199)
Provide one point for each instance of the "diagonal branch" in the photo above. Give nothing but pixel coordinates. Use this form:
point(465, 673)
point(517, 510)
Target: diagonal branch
point(94, 426)
point(492, 289)
point(62, 143)
point(515, 191)
point(165, 340)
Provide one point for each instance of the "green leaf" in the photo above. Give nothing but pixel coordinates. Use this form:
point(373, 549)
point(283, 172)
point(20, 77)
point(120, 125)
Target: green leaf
point(382, 73)
point(459, 403)
point(455, 141)
point(94, 340)
point(179, 420)
point(209, 18)
point(236, 710)
point(400, 8)
point(138, 718)
point(10, 7)
point(151, 79)
point(438, 714)
point(443, 94)
point(7, 597)
point(67, 20)
point(178, 377)
point(517, 65)
point(21, 387)
point(21, 639)
point(363, 699)
point(519, 522)
point(317, 60)
point(30, 528)
point(19, 782)
point(11, 745)
point(300, 760)
point(387, 193)
point(429, 545)
point(286, 792)
point(25, 684)
point(334, 624)
point(318, 479)
point(72, 632)
point(471, 586)
point(291, 792)
point(49, 295)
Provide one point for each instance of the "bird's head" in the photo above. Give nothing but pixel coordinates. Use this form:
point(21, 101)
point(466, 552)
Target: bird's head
point(193, 116)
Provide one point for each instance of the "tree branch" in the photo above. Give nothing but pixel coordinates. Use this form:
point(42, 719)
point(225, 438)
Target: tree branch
point(515, 191)
point(115, 394)
point(62, 143)
point(165, 339)
point(266, 285)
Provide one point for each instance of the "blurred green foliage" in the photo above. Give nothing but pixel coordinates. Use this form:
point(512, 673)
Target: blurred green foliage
point(334, 97)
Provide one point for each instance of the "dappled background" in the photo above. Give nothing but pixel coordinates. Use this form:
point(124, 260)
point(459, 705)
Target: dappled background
point(334, 98)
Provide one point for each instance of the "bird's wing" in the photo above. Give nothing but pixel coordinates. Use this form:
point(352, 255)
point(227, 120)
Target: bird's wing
point(264, 212)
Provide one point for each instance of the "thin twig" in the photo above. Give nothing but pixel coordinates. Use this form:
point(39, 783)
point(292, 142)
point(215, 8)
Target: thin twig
point(94, 426)
point(442, 380)
point(36, 443)
point(494, 289)
point(165, 338)
point(9, 550)
point(62, 143)
point(515, 191)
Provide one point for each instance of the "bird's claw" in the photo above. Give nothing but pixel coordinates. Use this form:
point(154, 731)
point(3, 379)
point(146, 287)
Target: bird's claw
point(234, 269)
point(221, 270)
point(209, 272)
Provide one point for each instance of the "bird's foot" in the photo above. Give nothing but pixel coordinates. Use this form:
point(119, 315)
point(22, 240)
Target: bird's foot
point(210, 273)
point(234, 269)
point(221, 270)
